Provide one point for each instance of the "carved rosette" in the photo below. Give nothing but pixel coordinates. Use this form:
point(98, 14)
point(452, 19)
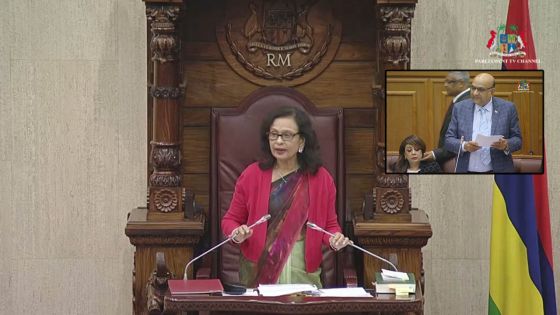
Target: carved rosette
point(395, 33)
point(165, 200)
point(164, 45)
point(392, 202)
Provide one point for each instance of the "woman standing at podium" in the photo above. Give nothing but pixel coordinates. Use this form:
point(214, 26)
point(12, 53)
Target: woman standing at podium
point(293, 187)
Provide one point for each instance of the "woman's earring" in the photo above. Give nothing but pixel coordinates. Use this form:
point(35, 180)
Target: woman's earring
point(300, 150)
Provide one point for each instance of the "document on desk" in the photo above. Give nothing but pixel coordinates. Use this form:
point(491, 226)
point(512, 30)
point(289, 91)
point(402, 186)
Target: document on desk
point(249, 292)
point(344, 292)
point(284, 289)
point(486, 141)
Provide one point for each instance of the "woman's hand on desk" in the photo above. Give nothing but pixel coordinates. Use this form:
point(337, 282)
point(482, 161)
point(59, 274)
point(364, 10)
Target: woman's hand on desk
point(241, 233)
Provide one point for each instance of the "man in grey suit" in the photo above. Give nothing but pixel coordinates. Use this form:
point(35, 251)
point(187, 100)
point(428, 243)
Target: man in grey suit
point(457, 86)
point(487, 115)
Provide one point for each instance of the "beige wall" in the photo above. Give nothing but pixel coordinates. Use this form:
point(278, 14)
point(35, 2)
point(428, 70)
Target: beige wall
point(456, 259)
point(72, 153)
point(69, 183)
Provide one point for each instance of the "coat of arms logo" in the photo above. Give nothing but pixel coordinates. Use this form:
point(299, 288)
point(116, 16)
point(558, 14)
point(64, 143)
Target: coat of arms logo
point(279, 41)
point(504, 44)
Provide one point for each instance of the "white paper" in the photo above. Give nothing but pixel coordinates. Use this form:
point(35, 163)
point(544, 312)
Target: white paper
point(284, 289)
point(249, 292)
point(344, 292)
point(486, 141)
point(392, 275)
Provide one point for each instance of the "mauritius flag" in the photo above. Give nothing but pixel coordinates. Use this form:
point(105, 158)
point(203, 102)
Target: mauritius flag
point(521, 277)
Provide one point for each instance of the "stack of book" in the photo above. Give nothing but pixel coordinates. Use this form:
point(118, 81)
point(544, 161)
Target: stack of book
point(394, 283)
point(195, 286)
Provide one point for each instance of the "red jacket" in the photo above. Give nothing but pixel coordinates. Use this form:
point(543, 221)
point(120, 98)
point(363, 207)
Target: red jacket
point(250, 202)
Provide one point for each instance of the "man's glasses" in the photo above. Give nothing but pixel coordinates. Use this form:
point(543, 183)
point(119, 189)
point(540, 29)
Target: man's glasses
point(480, 89)
point(451, 81)
point(287, 136)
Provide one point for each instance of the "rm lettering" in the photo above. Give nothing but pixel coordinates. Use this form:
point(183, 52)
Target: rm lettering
point(281, 61)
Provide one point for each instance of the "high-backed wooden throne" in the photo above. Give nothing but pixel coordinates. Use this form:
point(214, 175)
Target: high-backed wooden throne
point(236, 144)
point(200, 60)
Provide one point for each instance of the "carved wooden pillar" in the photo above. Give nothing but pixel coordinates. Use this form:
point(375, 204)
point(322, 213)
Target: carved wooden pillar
point(392, 194)
point(166, 196)
point(169, 223)
point(389, 227)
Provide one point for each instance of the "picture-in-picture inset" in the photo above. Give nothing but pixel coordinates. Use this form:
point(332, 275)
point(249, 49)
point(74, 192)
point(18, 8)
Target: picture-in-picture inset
point(464, 121)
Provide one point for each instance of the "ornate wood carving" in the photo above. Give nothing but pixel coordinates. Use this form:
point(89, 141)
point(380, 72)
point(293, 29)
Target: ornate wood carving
point(157, 285)
point(167, 92)
point(395, 33)
point(177, 239)
point(391, 194)
point(164, 44)
point(401, 240)
point(286, 42)
point(165, 192)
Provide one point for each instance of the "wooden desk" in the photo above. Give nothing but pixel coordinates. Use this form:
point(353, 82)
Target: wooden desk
point(294, 304)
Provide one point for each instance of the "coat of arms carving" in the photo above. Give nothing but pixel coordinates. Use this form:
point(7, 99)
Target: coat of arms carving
point(279, 42)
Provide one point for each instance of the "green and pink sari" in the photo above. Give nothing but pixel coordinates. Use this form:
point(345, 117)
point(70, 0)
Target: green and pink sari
point(283, 256)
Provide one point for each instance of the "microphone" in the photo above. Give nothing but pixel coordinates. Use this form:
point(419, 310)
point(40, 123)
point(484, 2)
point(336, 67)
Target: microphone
point(318, 228)
point(459, 153)
point(259, 221)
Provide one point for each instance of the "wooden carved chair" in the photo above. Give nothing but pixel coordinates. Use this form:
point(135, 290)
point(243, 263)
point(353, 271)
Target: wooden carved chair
point(235, 144)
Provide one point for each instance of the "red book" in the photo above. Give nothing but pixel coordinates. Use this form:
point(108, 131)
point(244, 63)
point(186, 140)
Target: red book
point(185, 287)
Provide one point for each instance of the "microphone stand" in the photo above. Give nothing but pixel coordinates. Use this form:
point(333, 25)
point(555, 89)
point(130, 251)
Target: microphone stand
point(459, 153)
point(261, 220)
point(318, 228)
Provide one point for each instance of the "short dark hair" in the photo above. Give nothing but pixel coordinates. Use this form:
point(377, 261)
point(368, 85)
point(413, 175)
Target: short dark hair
point(402, 164)
point(309, 160)
point(462, 76)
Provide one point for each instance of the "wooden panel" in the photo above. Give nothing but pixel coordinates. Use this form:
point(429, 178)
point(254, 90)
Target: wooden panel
point(193, 51)
point(360, 118)
point(352, 82)
point(537, 124)
point(358, 149)
point(199, 184)
point(176, 258)
point(196, 117)
point(201, 19)
point(214, 83)
point(196, 150)
point(529, 108)
point(355, 51)
point(401, 111)
point(355, 15)
point(356, 188)
point(342, 85)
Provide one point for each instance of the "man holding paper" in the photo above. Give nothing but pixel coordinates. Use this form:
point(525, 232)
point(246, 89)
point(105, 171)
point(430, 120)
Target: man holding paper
point(486, 119)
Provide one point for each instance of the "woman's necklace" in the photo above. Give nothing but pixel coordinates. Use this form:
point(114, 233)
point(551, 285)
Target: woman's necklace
point(287, 173)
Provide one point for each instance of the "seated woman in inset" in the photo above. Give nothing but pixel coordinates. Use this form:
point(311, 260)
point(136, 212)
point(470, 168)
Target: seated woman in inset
point(410, 154)
point(293, 187)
